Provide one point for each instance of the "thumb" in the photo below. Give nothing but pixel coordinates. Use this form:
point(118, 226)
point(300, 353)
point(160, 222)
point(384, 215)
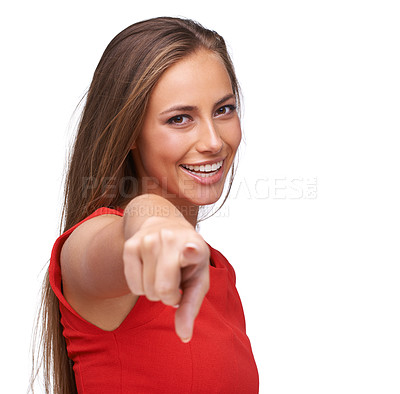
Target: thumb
point(191, 254)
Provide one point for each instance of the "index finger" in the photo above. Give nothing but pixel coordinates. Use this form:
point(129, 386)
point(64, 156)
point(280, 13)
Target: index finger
point(195, 284)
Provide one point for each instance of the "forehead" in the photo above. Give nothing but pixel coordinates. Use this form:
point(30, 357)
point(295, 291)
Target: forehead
point(198, 77)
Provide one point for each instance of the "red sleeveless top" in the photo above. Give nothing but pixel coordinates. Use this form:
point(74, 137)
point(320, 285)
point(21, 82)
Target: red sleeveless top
point(144, 355)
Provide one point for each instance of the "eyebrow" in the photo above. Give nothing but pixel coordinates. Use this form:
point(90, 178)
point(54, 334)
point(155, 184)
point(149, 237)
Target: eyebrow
point(194, 108)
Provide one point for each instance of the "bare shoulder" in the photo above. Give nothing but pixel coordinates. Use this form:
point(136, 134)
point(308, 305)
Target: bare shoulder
point(92, 272)
point(78, 241)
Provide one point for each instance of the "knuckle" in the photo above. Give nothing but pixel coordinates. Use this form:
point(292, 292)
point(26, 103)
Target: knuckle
point(130, 247)
point(165, 289)
point(149, 241)
point(166, 235)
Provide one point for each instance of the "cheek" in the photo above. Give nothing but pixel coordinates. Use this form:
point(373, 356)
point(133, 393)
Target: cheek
point(158, 156)
point(163, 142)
point(234, 135)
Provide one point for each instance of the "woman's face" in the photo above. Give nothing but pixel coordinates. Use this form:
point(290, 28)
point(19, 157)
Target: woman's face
point(191, 132)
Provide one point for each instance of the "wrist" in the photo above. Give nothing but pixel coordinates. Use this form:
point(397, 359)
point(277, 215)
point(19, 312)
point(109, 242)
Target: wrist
point(150, 209)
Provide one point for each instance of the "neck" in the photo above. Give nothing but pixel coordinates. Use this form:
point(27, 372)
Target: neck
point(189, 211)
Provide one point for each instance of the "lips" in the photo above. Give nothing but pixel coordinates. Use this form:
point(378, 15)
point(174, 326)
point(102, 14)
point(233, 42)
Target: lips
point(203, 170)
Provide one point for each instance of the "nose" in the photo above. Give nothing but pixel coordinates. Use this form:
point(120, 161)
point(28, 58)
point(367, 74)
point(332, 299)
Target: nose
point(209, 140)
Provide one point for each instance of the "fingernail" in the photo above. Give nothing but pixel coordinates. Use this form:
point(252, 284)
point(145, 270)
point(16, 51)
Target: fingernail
point(186, 340)
point(191, 247)
point(175, 306)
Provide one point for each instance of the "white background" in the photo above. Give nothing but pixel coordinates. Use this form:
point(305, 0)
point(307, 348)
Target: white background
point(312, 226)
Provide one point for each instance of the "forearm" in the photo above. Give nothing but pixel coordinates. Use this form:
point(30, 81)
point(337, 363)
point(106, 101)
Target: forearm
point(92, 258)
point(146, 206)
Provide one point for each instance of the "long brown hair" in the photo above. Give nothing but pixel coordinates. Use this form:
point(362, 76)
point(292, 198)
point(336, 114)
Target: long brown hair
point(101, 171)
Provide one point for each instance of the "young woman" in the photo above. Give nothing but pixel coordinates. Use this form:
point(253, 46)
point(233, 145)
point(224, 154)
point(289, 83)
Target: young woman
point(135, 300)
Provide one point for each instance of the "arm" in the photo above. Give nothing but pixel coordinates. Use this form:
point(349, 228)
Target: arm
point(109, 261)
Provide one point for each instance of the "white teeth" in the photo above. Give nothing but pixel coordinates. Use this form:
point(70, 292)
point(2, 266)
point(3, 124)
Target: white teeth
point(204, 170)
point(205, 175)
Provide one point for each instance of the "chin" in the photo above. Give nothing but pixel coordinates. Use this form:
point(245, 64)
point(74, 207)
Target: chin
point(210, 199)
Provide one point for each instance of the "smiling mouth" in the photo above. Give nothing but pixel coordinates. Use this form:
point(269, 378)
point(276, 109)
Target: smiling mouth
point(204, 171)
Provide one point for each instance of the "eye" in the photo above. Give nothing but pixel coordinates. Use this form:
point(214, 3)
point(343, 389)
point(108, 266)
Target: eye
point(179, 120)
point(225, 110)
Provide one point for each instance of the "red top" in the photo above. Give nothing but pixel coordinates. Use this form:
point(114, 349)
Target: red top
point(144, 355)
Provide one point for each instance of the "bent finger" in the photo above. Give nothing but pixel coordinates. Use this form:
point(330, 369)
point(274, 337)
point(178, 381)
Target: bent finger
point(168, 276)
point(133, 268)
point(149, 249)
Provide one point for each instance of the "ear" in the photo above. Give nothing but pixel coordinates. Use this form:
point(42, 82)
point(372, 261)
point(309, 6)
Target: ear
point(133, 147)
